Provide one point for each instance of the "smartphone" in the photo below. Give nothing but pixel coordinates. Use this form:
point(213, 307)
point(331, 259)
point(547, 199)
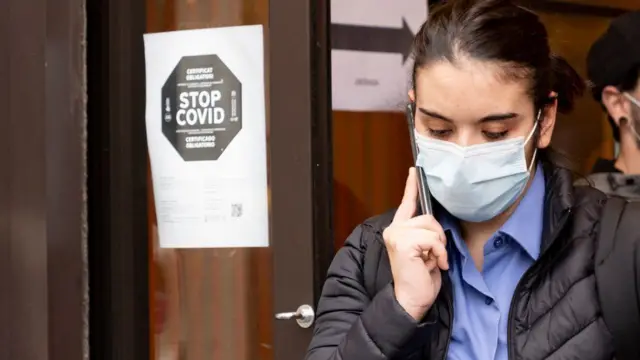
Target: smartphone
point(423, 188)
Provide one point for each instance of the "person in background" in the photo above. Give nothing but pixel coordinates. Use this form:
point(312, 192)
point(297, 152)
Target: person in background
point(505, 268)
point(613, 67)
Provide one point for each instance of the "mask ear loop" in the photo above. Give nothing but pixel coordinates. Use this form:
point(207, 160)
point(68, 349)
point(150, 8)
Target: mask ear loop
point(632, 124)
point(535, 149)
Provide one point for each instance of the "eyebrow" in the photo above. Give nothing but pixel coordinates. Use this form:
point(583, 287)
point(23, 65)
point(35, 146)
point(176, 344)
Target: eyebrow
point(488, 118)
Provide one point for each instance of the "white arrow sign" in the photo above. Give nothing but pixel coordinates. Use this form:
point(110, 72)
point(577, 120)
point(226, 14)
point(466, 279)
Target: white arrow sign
point(371, 41)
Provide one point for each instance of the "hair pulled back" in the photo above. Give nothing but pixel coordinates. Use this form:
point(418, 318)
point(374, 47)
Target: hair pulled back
point(500, 31)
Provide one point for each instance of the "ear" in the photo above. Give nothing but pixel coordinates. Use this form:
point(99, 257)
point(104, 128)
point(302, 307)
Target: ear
point(616, 105)
point(547, 121)
point(412, 96)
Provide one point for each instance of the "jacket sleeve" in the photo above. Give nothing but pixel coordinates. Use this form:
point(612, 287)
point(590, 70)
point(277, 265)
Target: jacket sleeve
point(636, 254)
point(349, 324)
point(617, 258)
point(637, 275)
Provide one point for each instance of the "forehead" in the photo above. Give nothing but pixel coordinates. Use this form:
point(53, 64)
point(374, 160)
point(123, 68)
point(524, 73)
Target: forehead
point(470, 89)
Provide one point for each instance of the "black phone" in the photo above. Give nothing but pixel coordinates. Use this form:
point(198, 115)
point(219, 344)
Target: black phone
point(423, 187)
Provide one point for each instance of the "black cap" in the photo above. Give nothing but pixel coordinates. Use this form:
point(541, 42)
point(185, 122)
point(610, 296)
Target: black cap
point(615, 54)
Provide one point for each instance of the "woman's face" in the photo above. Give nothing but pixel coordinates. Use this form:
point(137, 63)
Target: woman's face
point(472, 102)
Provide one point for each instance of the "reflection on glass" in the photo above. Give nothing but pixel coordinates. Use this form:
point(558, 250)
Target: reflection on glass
point(208, 303)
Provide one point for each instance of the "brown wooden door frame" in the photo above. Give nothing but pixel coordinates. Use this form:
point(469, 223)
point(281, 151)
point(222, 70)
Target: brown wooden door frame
point(42, 144)
point(300, 160)
point(117, 197)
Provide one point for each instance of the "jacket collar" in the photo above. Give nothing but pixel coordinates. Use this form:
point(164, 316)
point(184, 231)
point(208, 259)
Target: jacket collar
point(559, 200)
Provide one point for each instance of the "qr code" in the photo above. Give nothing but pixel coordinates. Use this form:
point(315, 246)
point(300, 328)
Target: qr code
point(236, 210)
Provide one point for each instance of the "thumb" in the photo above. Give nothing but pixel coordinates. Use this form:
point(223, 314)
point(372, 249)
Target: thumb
point(407, 207)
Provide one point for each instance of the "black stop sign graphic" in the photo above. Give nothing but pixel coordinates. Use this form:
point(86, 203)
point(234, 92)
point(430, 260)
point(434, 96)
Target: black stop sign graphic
point(201, 107)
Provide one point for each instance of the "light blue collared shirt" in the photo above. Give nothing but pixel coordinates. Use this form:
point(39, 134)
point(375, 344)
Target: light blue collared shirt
point(481, 300)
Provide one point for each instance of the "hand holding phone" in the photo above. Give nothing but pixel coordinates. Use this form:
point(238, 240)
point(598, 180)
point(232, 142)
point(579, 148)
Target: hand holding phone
point(416, 245)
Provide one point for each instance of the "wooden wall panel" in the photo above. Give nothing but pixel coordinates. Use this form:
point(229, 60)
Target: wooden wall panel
point(372, 156)
point(619, 4)
point(584, 134)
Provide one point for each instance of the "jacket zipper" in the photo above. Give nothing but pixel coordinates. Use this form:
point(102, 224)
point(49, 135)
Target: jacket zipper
point(450, 308)
point(449, 290)
point(559, 228)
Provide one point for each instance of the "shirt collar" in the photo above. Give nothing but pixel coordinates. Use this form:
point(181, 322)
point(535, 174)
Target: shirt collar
point(524, 226)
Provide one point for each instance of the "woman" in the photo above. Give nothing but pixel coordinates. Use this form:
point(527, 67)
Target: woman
point(505, 269)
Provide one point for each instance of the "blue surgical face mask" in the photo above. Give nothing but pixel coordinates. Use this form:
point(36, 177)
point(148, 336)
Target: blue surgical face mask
point(632, 122)
point(479, 182)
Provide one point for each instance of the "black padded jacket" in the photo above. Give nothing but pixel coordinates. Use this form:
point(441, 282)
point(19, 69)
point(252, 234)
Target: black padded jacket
point(555, 313)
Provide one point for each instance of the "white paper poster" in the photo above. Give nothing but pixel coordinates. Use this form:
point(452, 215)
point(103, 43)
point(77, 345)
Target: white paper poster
point(206, 132)
point(371, 42)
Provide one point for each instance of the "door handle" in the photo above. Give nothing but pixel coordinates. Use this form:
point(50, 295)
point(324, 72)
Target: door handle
point(304, 316)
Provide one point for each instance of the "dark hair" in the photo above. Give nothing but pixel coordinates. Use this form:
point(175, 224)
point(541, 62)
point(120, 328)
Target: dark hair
point(629, 83)
point(498, 30)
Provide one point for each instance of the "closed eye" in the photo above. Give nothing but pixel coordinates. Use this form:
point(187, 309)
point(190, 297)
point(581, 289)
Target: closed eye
point(439, 133)
point(495, 135)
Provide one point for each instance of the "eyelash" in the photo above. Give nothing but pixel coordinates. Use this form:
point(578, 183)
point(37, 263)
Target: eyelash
point(495, 135)
point(439, 133)
point(487, 134)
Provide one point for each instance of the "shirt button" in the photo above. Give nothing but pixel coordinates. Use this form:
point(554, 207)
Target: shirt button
point(498, 242)
point(488, 300)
